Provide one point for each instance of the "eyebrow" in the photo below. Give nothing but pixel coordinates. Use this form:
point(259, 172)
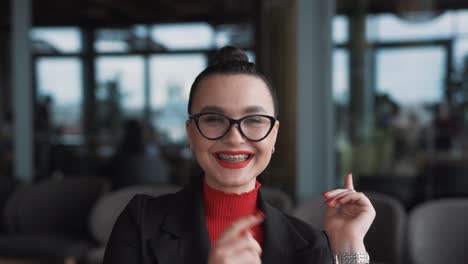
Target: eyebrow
point(219, 110)
point(212, 109)
point(254, 109)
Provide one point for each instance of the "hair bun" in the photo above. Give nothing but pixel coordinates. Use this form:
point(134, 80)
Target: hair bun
point(230, 54)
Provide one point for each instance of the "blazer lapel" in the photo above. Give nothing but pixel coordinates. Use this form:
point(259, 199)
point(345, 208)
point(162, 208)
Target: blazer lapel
point(184, 236)
point(280, 242)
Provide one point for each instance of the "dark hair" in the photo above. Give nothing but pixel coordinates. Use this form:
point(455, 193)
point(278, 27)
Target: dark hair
point(230, 60)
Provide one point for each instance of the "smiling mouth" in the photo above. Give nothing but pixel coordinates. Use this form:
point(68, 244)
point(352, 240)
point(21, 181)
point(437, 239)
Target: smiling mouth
point(233, 158)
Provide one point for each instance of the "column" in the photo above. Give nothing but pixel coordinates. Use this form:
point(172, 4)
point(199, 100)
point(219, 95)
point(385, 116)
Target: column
point(315, 132)
point(22, 90)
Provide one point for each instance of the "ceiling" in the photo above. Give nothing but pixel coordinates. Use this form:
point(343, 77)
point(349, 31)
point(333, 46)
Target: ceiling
point(124, 12)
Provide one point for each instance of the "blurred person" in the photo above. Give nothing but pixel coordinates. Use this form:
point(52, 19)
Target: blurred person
point(43, 137)
point(444, 126)
point(222, 217)
point(133, 141)
point(43, 114)
point(6, 145)
point(136, 161)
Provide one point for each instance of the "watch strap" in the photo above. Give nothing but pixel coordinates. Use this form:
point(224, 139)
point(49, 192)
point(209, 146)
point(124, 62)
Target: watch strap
point(352, 258)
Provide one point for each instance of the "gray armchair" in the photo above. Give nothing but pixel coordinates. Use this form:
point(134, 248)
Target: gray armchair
point(438, 232)
point(48, 220)
point(107, 210)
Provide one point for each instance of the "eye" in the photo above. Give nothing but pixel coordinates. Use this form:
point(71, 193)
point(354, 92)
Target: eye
point(255, 120)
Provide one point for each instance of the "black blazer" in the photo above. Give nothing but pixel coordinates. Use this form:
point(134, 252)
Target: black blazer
point(171, 229)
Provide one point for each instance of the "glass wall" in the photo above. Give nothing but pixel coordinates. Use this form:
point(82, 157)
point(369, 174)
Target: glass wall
point(119, 94)
point(171, 79)
point(59, 82)
point(60, 85)
point(141, 73)
point(408, 83)
point(140, 70)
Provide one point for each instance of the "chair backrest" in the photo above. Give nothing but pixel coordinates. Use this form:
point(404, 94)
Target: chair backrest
point(312, 211)
point(438, 232)
point(277, 198)
point(109, 207)
point(7, 186)
point(58, 206)
point(139, 170)
point(384, 240)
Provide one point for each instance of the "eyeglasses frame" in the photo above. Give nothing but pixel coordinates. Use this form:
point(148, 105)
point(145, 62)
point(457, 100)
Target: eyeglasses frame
point(232, 121)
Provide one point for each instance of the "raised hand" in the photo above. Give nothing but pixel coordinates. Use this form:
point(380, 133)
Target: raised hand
point(348, 218)
point(237, 244)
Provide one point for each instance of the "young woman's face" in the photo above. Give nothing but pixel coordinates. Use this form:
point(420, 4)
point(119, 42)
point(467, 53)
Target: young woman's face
point(232, 162)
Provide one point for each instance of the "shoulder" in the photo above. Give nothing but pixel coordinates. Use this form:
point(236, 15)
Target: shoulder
point(144, 209)
point(144, 202)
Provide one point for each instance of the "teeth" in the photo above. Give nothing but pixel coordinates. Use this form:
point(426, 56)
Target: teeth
point(233, 158)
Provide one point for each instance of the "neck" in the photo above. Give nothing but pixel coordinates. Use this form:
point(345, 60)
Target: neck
point(222, 209)
point(231, 189)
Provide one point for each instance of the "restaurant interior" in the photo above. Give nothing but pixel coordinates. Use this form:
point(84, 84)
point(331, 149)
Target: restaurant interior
point(93, 105)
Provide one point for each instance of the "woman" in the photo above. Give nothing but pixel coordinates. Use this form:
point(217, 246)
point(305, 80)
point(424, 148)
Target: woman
point(222, 217)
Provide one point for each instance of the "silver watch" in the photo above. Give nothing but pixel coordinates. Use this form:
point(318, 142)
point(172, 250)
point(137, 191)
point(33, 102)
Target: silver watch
point(351, 258)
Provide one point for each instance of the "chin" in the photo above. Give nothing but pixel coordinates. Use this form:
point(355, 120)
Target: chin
point(234, 180)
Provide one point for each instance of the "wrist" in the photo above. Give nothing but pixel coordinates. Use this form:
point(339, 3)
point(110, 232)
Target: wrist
point(351, 258)
point(347, 246)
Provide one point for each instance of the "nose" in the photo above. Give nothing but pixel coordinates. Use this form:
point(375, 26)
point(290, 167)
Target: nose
point(234, 136)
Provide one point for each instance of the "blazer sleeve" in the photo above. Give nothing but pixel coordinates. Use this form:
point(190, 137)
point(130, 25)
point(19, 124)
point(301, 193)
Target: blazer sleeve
point(124, 245)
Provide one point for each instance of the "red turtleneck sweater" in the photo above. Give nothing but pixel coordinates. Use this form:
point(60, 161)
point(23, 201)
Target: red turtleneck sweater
point(222, 209)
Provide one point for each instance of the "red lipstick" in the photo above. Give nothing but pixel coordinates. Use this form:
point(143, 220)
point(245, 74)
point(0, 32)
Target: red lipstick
point(233, 164)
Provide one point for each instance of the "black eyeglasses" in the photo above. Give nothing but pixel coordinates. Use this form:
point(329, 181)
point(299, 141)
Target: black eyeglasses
point(214, 126)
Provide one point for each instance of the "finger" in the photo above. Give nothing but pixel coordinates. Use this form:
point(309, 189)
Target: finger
point(247, 242)
point(333, 201)
point(355, 198)
point(333, 193)
point(236, 246)
point(240, 226)
point(254, 245)
point(246, 256)
point(349, 181)
point(336, 193)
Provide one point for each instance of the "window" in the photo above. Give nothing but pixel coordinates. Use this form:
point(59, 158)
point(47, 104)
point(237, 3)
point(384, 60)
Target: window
point(411, 75)
point(340, 29)
point(183, 36)
point(122, 40)
point(56, 40)
point(61, 79)
point(122, 79)
point(341, 76)
point(171, 79)
point(239, 35)
point(392, 28)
